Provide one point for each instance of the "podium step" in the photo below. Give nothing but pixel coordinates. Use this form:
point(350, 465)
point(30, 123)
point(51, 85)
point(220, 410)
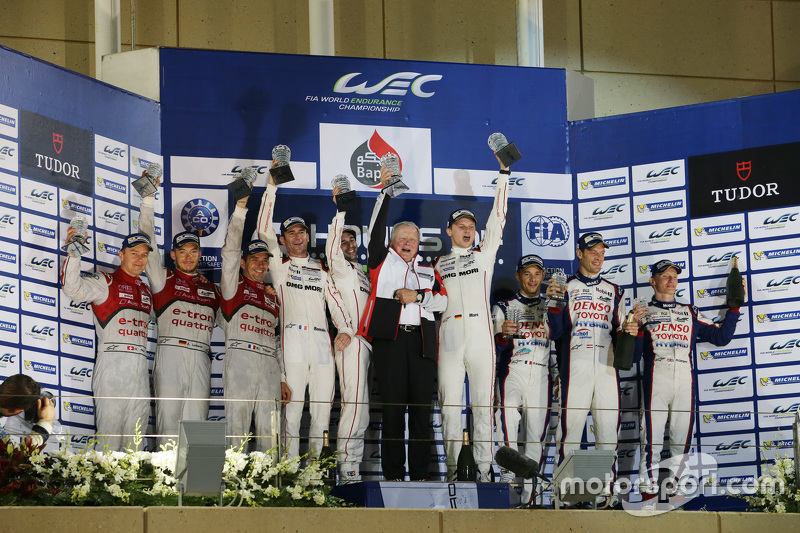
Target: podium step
point(425, 495)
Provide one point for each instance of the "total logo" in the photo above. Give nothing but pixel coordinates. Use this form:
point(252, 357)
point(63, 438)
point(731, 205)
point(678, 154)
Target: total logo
point(365, 162)
point(544, 230)
point(397, 84)
point(200, 216)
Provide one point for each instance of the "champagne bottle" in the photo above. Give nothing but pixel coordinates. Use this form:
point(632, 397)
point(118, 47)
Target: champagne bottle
point(623, 353)
point(734, 287)
point(466, 470)
point(326, 454)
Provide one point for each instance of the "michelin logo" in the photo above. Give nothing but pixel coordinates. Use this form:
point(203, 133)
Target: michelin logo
point(779, 380)
point(777, 317)
point(725, 417)
point(776, 254)
point(39, 367)
point(659, 206)
point(599, 184)
point(723, 354)
point(718, 230)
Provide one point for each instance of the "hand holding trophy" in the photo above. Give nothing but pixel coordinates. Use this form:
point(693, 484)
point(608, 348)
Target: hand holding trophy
point(281, 172)
point(345, 196)
point(75, 244)
point(506, 152)
point(242, 186)
point(395, 186)
point(148, 183)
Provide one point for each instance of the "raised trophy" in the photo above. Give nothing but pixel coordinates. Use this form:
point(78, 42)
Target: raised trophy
point(647, 319)
point(395, 186)
point(147, 184)
point(506, 151)
point(345, 200)
point(242, 186)
point(560, 279)
point(281, 172)
point(514, 314)
point(76, 246)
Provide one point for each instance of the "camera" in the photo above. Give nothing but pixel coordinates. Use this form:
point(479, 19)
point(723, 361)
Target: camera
point(32, 412)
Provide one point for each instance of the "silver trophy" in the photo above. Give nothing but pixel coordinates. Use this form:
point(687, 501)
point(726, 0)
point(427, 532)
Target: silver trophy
point(514, 314)
point(647, 319)
point(146, 185)
point(345, 200)
point(558, 278)
point(506, 151)
point(395, 186)
point(76, 246)
point(242, 186)
point(281, 172)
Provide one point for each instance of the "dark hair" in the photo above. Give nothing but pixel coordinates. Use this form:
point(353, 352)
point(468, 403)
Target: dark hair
point(19, 392)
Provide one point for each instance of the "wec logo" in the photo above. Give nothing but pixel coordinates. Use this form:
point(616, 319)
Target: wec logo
point(732, 382)
point(610, 210)
point(663, 173)
point(788, 217)
point(665, 233)
point(44, 195)
point(116, 152)
point(396, 84)
point(735, 445)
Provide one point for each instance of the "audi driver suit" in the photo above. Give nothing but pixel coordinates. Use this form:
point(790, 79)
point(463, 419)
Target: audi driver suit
point(668, 379)
point(524, 378)
point(122, 306)
point(304, 287)
point(185, 309)
point(253, 369)
point(586, 330)
point(353, 362)
point(466, 339)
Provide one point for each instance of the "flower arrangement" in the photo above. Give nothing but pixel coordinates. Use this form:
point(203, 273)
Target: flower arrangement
point(30, 477)
point(777, 490)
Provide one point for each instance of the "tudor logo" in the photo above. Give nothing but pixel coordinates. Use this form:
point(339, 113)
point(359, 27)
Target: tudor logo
point(743, 170)
point(58, 142)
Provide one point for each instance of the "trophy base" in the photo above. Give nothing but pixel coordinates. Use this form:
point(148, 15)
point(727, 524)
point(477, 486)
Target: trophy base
point(514, 336)
point(75, 248)
point(144, 186)
point(281, 174)
point(239, 189)
point(346, 201)
point(394, 188)
point(509, 154)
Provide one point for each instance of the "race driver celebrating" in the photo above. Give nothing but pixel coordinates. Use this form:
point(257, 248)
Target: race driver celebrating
point(304, 288)
point(466, 344)
point(671, 332)
point(185, 304)
point(253, 376)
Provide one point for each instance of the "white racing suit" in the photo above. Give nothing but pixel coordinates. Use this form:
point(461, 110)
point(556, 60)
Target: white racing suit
point(253, 369)
point(122, 307)
point(524, 378)
point(304, 288)
point(586, 330)
point(466, 339)
point(668, 379)
point(353, 362)
point(185, 309)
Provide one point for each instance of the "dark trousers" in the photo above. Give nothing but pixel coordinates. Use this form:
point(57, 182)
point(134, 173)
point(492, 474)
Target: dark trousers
point(405, 379)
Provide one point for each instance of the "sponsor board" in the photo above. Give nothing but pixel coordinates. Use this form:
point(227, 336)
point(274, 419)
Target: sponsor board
point(629, 425)
point(728, 385)
point(355, 150)
point(547, 230)
point(38, 197)
point(76, 374)
point(111, 185)
point(602, 183)
point(159, 226)
point(734, 354)
point(778, 380)
point(39, 298)
point(39, 231)
point(39, 334)
point(9, 155)
point(76, 408)
point(770, 349)
point(141, 159)
point(728, 417)
point(619, 271)
point(682, 291)
point(111, 218)
point(9, 223)
point(618, 241)
point(628, 458)
point(9, 121)
point(717, 315)
point(221, 171)
point(602, 213)
point(9, 292)
point(9, 189)
point(709, 292)
point(73, 204)
point(726, 449)
point(717, 230)
point(629, 395)
point(659, 206)
point(644, 262)
point(717, 261)
point(10, 361)
point(76, 340)
point(42, 367)
point(208, 218)
point(9, 257)
point(482, 183)
point(158, 198)
point(777, 412)
point(776, 317)
point(783, 253)
point(76, 311)
point(658, 176)
point(657, 237)
point(776, 444)
point(778, 285)
point(9, 327)
point(774, 222)
point(108, 247)
point(734, 479)
point(110, 153)
point(39, 265)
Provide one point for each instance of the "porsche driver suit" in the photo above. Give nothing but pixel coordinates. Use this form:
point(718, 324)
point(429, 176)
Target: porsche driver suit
point(253, 369)
point(466, 340)
point(304, 287)
point(185, 309)
point(668, 379)
point(352, 363)
point(122, 306)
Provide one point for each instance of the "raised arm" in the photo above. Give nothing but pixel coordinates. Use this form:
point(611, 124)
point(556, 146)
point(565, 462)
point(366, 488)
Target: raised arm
point(497, 218)
point(232, 252)
point(155, 270)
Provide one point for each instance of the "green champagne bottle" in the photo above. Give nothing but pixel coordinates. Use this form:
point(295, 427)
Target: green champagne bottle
point(734, 287)
point(623, 352)
point(466, 470)
point(326, 454)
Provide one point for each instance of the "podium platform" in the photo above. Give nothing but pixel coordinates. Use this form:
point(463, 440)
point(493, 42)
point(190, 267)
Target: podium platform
point(425, 495)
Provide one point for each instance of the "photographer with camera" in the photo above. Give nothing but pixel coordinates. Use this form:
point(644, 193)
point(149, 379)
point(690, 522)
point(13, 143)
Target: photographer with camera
point(20, 393)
